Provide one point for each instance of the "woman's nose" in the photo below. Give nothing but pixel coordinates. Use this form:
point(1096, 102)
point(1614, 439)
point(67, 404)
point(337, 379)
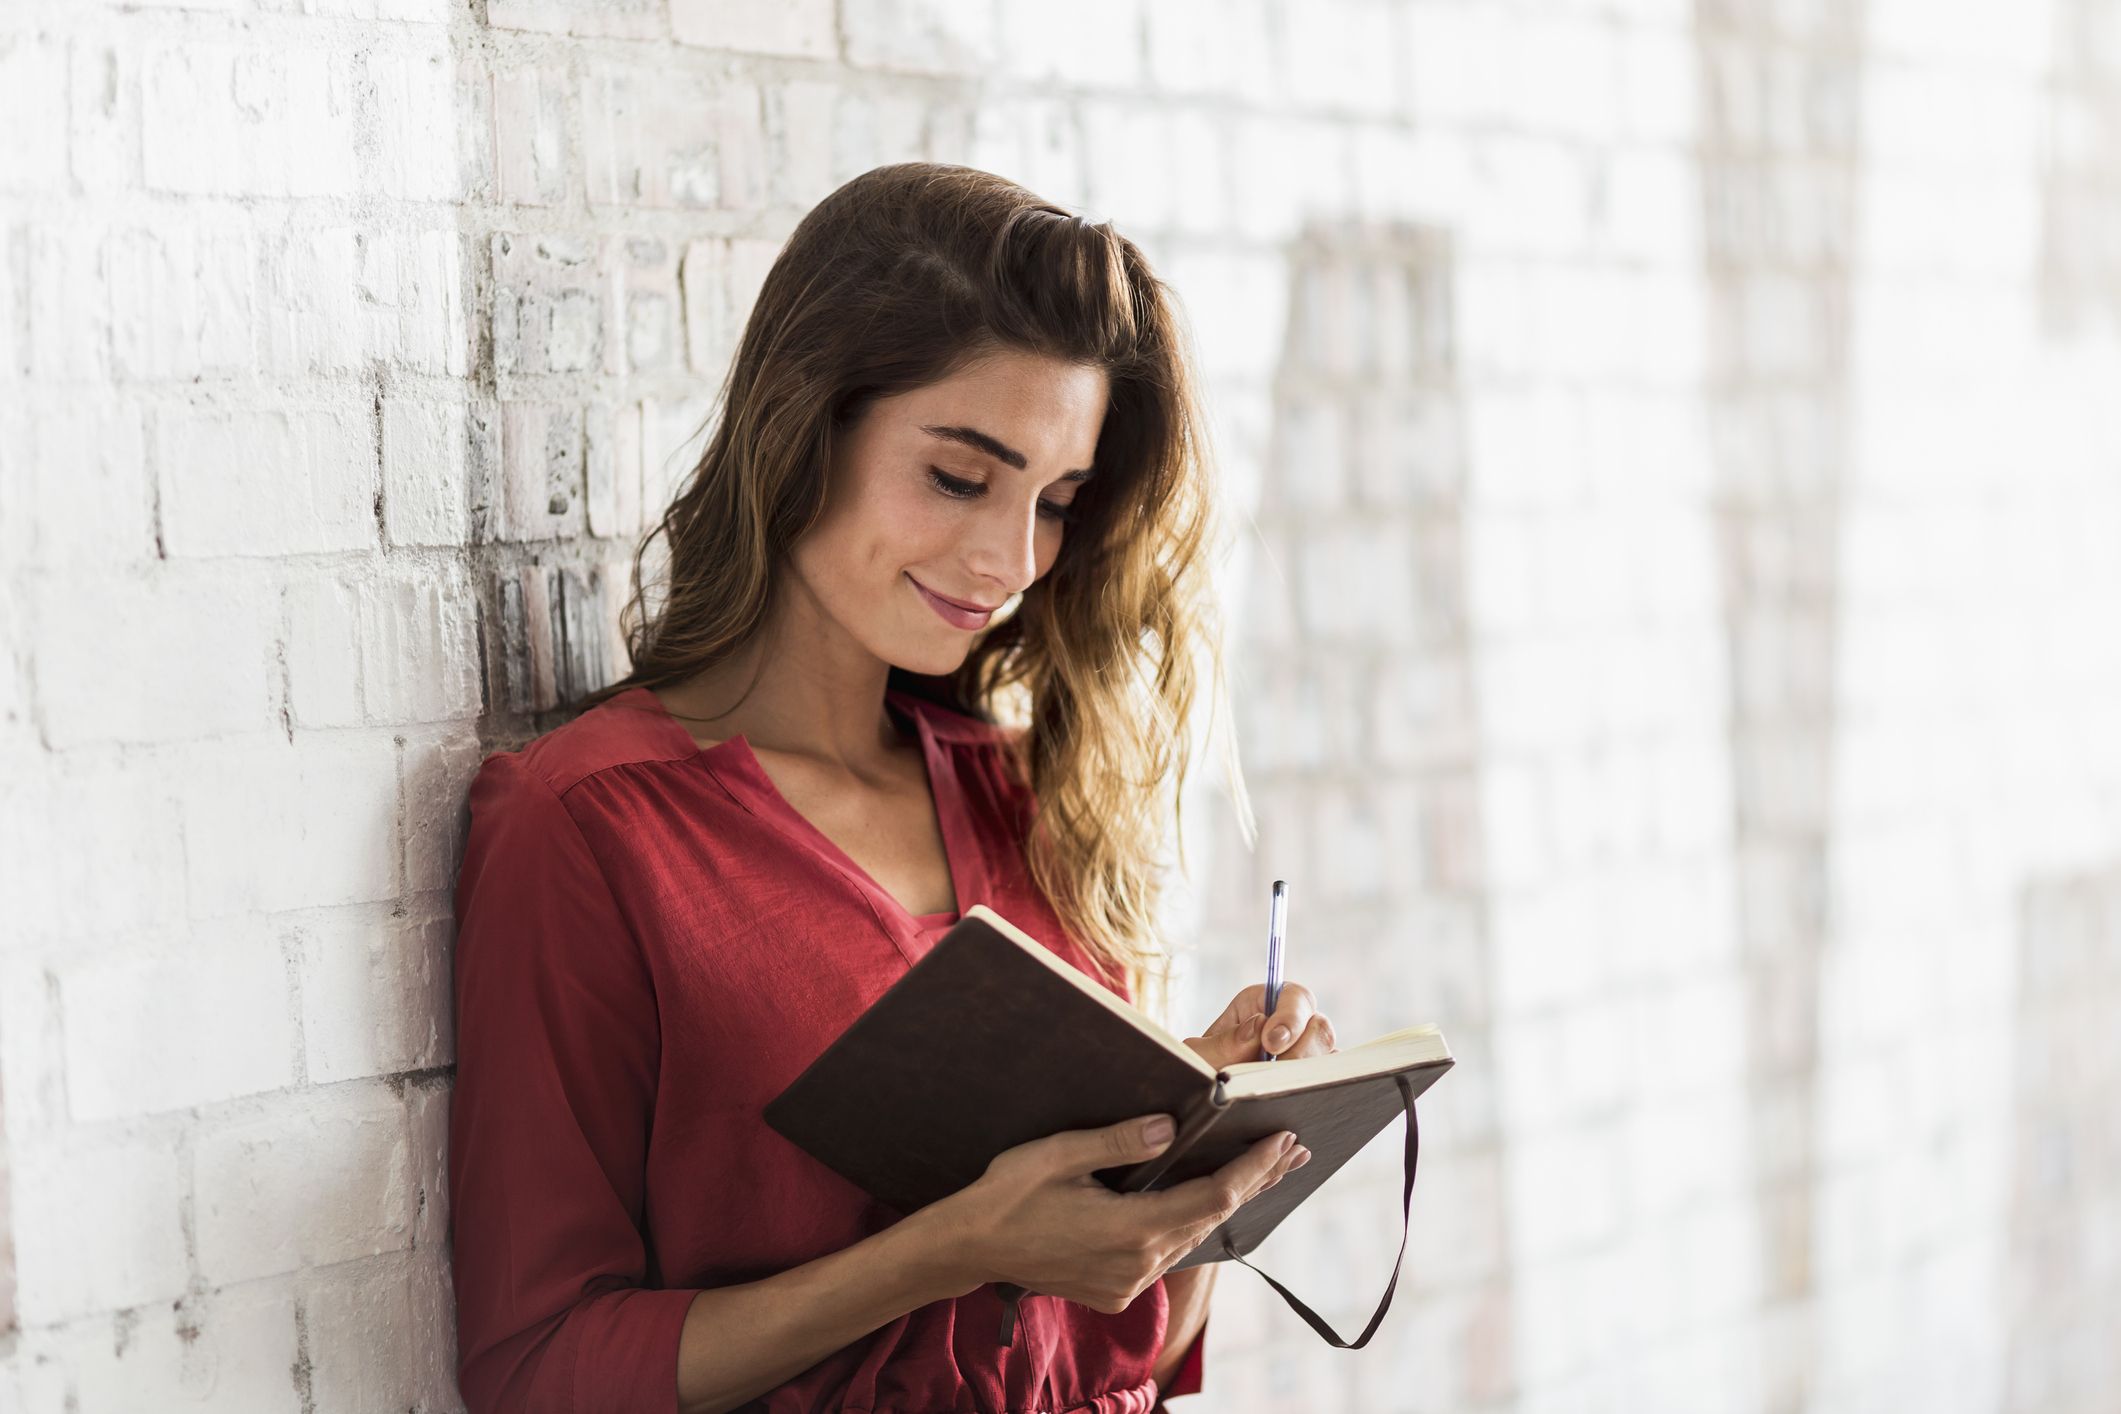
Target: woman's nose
point(1005, 546)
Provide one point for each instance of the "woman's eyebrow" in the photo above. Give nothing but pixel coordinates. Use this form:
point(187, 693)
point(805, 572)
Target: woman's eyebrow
point(979, 441)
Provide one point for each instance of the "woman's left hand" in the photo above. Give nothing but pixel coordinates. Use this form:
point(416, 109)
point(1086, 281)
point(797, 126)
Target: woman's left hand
point(1297, 1028)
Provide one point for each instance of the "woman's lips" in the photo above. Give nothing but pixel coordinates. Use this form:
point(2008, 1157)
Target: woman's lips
point(955, 612)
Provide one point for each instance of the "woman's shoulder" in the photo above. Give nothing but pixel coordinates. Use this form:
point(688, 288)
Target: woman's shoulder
point(629, 729)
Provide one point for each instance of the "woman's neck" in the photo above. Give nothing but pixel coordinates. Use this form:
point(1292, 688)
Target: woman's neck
point(802, 686)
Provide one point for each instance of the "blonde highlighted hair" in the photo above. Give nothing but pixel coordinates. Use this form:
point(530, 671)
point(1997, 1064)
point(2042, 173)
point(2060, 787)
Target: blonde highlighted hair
point(894, 282)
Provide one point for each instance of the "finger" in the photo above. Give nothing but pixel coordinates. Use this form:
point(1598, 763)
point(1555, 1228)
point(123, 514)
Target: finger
point(1317, 1040)
point(1214, 1197)
point(1075, 1152)
point(1252, 1001)
point(1227, 1046)
point(1292, 1013)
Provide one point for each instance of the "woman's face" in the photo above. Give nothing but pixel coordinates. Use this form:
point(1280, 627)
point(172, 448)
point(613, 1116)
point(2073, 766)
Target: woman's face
point(945, 501)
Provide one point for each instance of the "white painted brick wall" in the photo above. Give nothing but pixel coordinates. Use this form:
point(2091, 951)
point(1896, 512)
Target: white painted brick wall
point(345, 349)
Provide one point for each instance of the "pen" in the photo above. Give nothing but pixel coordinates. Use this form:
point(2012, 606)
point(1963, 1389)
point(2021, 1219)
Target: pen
point(1277, 940)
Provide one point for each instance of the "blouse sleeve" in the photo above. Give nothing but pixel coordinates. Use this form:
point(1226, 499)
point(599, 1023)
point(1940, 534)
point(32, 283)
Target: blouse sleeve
point(557, 1053)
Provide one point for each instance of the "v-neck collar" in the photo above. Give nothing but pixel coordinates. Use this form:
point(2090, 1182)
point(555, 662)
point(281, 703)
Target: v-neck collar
point(736, 767)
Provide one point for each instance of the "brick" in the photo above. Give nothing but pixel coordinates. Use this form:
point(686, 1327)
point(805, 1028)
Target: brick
point(420, 322)
point(83, 500)
point(478, 173)
point(14, 304)
point(343, 298)
point(803, 29)
point(524, 647)
point(267, 483)
point(258, 1208)
point(184, 302)
point(423, 12)
point(673, 435)
point(667, 139)
point(201, 639)
point(870, 130)
point(374, 1341)
point(146, 1026)
point(617, 578)
point(1096, 44)
point(591, 19)
point(225, 120)
point(530, 136)
point(88, 849)
point(1210, 46)
point(308, 824)
point(426, 472)
point(647, 272)
point(224, 1352)
point(323, 653)
point(314, 319)
point(415, 100)
point(1227, 299)
point(376, 996)
point(65, 303)
point(419, 648)
point(556, 306)
point(800, 127)
point(542, 454)
point(1034, 142)
point(96, 1224)
point(581, 656)
point(438, 766)
point(721, 283)
point(1127, 149)
point(938, 37)
point(552, 639)
point(33, 82)
point(103, 116)
point(614, 470)
point(1343, 54)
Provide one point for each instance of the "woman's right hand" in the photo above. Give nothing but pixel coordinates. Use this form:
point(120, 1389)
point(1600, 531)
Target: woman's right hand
point(1039, 1219)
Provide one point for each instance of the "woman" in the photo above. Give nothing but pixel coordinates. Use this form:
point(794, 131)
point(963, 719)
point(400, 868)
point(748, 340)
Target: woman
point(950, 394)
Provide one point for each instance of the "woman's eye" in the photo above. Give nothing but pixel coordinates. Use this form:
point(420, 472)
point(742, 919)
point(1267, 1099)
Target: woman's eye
point(1055, 511)
point(955, 486)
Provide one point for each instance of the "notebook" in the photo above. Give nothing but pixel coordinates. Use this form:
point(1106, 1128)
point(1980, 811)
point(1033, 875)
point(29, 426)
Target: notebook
point(991, 1041)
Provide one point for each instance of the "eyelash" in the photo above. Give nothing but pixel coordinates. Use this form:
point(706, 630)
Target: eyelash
point(959, 489)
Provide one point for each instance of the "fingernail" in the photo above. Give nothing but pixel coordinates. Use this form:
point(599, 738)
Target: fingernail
point(1278, 1038)
point(1286, 1141)
point(1158, 1130)
point(1301, 1157)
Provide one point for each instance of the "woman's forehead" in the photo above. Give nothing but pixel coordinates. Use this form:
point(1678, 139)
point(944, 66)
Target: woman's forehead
point(1021, 410)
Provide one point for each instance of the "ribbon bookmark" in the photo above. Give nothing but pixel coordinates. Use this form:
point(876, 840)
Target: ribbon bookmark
point(1406, 1199)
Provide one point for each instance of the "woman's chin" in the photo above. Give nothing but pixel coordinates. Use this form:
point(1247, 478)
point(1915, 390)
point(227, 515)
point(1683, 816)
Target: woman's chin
point(930, 658)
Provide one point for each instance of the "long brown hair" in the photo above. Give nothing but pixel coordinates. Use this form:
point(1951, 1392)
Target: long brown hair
point(895, 281)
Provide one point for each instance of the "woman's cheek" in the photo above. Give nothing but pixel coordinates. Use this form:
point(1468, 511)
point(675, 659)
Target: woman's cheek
point(1046, 546)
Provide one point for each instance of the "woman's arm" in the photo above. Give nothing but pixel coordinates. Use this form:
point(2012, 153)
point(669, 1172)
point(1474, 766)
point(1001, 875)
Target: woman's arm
point(1037, 1218)
point(1188, 1292)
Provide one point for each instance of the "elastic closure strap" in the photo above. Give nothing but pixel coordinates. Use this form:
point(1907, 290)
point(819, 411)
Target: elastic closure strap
point(1406, 1199)
point(1010, 1293)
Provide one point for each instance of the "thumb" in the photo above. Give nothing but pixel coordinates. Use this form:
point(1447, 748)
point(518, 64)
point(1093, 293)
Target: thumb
point(1134, 1141)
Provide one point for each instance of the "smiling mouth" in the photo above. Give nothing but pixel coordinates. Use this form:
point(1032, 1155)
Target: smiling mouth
point(955, 612)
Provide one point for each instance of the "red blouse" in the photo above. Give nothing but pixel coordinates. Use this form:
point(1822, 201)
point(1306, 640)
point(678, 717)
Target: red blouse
point(651, 944)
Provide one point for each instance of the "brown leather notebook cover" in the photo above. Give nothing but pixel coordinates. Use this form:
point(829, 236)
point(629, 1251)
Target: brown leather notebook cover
point(990, 1041)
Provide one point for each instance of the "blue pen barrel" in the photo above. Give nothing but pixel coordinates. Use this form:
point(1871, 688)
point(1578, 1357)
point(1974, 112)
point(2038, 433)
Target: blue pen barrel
point(1277, 941)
